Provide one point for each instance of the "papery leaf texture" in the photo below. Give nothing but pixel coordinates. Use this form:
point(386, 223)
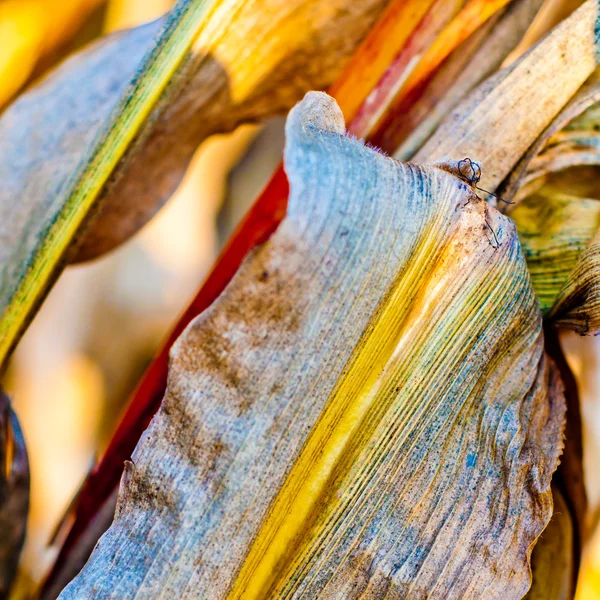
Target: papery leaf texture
point(367, 409)
point(557, 213)
point(387, 54)
point(502, 118)
point(473, 61)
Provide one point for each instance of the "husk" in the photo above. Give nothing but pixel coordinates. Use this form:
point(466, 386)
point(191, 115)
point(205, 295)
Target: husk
point(366, 410)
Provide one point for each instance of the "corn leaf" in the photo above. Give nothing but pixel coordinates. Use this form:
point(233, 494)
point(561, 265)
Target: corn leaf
point(552, 561)
point(558, 213)
point(445, 38)
point(207, 71)
point(441, 31)
point(564, 258)
point(473, 61)
point(554, 229)
point(498, 122)
point(569, 478)
point(542, 158)
point(556, 558)
point(366, 409)
point(387, 39)
point(398, 39)
point(559, 247)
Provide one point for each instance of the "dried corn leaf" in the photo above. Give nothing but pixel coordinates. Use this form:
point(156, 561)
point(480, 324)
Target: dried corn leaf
point(501, 110)
point(365, 410)
point(505, 115)
point(396, 25)
point(556, 557)
point(551, 14)
point(552, 560)
point(473, 61)
point(559, 233)
point(568, 149)
point(44, 137)
point(471, 18)
point(534, 168)
point(558, 225)
point(81, 140)
point(248, 62)
point(14, 493)
point(569, 478)
point(445, 27)
point(390, 44)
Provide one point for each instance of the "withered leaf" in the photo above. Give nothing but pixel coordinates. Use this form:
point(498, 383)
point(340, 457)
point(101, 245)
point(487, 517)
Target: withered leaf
point(364, 411)
point(115, 126)
point(505, 124)
point(249, 61)
point(558, 213)
point(569, 477)
point(535, 166)
point(45, 135)
point(552, 562)
point(500, 120)
point(554, 228)
point(475, 60)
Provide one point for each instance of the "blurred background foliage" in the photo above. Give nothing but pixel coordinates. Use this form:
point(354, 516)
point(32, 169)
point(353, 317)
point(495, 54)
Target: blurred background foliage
point(103, 321)
point(101, 324)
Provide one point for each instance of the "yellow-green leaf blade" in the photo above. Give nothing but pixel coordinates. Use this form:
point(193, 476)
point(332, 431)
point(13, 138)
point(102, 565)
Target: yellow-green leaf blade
point(20, 295)
point(554, 228)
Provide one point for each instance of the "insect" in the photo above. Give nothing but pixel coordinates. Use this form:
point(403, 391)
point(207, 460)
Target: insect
point(470, 172)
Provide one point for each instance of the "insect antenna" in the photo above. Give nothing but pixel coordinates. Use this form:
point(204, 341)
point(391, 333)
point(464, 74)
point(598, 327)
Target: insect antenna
point(494, 195)
point(498, 244)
